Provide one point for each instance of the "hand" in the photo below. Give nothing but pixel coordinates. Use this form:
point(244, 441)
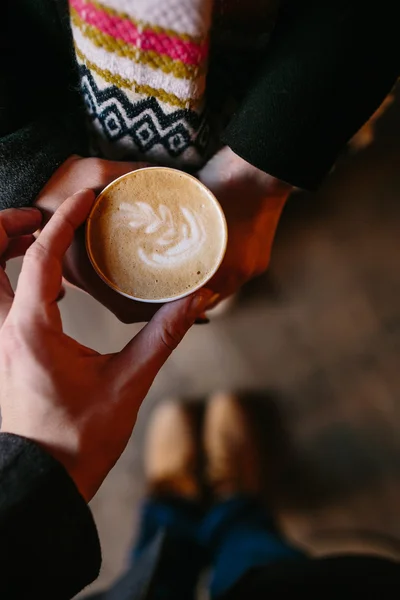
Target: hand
point(252, 202)
point(77, 404)
point(75, 174)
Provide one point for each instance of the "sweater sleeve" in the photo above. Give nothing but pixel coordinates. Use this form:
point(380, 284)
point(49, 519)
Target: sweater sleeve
point(329, 66)
point(49, 547)
point(30, 155)
point(41, 116)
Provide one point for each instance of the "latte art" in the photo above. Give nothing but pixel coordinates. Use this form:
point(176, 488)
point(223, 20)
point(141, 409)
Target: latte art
point(171, 243)
point(156, 235)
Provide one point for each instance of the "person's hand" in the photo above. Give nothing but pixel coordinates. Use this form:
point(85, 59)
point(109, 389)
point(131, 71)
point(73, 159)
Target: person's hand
point(77, 404)
point(252, 202)
point(75, 174)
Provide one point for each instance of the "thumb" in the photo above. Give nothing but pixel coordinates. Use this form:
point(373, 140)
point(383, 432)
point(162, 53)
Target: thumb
point(143, 357)
point(40, 280)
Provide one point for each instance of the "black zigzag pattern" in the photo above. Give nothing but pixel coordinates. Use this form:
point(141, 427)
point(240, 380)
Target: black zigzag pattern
point(144, 122)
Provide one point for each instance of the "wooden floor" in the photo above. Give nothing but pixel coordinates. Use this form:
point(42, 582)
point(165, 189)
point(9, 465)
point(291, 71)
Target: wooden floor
point(315, 346)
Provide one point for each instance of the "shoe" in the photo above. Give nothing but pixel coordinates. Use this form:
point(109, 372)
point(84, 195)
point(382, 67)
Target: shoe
point(232, 456)
point(171, 454)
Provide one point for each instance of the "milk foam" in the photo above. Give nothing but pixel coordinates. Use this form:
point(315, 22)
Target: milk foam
point(156, 234)
point(172, 241)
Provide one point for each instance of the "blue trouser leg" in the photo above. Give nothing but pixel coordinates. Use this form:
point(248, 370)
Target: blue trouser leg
point(180, 558)
point(238, 535)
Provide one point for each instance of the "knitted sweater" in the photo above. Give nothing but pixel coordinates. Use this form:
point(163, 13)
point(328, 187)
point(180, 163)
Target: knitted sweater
point(143, 66)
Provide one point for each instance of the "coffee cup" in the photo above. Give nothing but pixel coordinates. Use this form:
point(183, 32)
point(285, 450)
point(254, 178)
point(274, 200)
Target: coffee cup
point(156, 235)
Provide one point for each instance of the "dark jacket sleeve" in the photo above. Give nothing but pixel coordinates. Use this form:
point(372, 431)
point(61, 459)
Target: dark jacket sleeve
point(41, 117)
point(49, 547)
point(329, 66)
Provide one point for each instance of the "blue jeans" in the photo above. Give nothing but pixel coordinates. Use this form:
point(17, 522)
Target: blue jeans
point(232, 537)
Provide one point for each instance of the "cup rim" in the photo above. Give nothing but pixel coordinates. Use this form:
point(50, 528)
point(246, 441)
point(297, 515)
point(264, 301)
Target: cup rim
point(159, 300)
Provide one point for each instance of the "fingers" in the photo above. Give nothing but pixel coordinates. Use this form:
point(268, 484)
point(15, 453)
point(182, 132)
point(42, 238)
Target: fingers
point(106, 171)
point(40, 280)
point(18, 247)
point(6, 296)
point(16, 222)
point(139, 362)
point(61, 293)
point(227, 281)
point(57, 236)
point(19, 221)
point(13, 223)
point(118, 168)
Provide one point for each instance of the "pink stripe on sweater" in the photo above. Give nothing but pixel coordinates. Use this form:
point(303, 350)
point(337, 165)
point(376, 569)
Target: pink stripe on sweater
point(125, 30)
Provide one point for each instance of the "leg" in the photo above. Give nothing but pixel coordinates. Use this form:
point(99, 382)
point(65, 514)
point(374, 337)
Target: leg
point(172, 512)
point(238, 532)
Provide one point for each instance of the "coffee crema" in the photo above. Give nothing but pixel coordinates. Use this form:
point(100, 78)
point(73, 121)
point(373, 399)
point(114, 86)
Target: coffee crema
point(156, 234)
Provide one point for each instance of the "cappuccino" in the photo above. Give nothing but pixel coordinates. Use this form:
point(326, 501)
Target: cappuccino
point(156, 234)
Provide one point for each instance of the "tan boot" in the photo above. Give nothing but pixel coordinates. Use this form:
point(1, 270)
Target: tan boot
point(232, 455)
point(171, 452)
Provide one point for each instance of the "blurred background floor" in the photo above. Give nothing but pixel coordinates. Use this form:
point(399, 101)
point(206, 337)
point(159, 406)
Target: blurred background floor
point(316, 343)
